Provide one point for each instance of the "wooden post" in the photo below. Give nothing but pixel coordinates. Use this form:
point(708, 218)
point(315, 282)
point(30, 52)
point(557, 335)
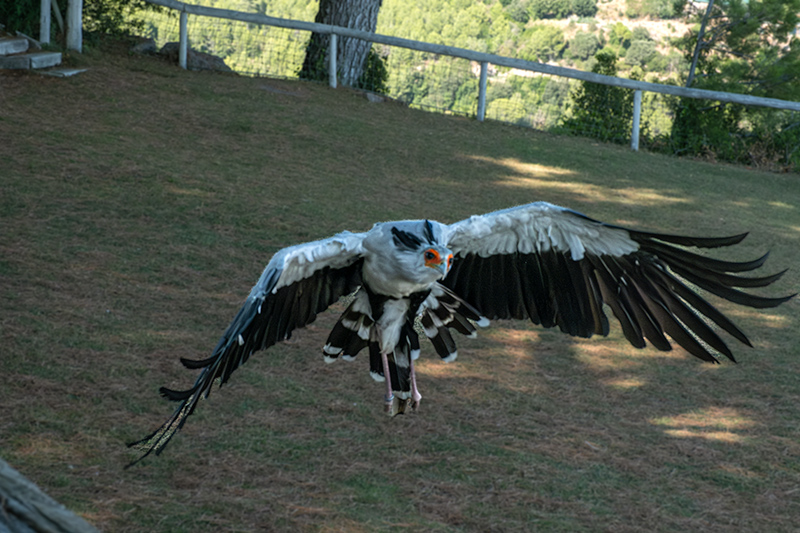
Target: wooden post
point(75, 25)
point(482, 91)
point(183, 48)
point(44, 22)
point(637, 115)
point(332, 52)
point(57, 14)
point(25, 508)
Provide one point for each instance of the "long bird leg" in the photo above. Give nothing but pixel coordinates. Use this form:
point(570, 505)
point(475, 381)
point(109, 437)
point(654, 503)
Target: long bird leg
point(415, 395)
point(389, 399)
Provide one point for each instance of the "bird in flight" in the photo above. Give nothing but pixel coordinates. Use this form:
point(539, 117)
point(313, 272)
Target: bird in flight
point(549, 264)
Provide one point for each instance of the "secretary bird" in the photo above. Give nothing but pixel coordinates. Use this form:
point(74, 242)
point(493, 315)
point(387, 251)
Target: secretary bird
point(551, 265)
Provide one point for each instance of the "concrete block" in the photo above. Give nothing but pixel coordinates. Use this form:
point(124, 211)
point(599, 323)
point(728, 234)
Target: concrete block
point(18, 61)
point(45, 59)
point(13, 45)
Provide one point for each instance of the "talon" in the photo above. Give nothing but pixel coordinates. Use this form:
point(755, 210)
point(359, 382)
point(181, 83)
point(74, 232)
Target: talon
point(395, 406)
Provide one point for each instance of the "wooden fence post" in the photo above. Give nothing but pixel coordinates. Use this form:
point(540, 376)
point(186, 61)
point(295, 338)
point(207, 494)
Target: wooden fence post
point(44, 22)
point(637, 115)
point(24, 508)
point(482, 91)
point(183, 48)
point(332, 52)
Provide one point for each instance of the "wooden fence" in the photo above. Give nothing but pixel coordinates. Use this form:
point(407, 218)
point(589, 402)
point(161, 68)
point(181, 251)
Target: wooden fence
point(483, 58)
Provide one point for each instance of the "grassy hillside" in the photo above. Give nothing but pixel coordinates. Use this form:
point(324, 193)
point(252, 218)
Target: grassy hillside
point(139, 203)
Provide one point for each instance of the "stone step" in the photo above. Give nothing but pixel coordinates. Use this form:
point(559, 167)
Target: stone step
point(13, 45)
point(31, 60)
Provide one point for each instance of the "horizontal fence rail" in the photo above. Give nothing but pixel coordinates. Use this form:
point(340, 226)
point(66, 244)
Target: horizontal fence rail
point(480, 57)
point(483, 59)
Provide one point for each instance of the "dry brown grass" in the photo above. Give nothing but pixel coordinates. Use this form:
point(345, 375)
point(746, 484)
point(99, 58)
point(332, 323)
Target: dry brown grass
point(140, 202)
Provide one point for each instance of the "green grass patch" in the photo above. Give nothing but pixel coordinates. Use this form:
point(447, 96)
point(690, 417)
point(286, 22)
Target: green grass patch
point(139, 203)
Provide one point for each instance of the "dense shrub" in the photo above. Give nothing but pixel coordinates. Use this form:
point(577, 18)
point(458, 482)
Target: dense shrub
point(584, 45)
point(653, 8)
point(601, 111)
point(584, 8)
point(640, 52)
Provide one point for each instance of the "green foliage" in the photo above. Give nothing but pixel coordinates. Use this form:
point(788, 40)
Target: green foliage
point(601, 111)
point(559, 9)
point(542, 9)
point(750, 48)
point(511, 110)
point(498, 27)
point(584, 45)
point(619, 38)
point(640, 33)
point(315, 66)
point(584, 8)
point(21, 15)
point(517, 11)
point(640, 52)
point(699, 127)
point(752, 136)
point(115, 17)
point(542, 42)
point(374, 78)
point(653, 8)
point(375, 75)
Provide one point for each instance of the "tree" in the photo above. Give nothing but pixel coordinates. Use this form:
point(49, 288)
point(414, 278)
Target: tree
point(584, 45)
point(116, 17)
point(640, 52)
point(619, 38)
point(652, 8)
point(21, 15)
point(351, 56)
point(542, 42)
point(511, 110)
point(541, 9)
point(584, 8)
point(747, 47)
point(99, 16)
point(601, 111)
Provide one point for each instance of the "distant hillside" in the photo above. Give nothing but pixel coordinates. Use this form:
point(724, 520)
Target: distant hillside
point(507, 27)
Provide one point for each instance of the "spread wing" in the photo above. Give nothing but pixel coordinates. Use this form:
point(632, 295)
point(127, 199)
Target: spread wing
point(558, 267)
point(298, 283)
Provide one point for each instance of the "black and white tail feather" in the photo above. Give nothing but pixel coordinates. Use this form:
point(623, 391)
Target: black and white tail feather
point(541, 262)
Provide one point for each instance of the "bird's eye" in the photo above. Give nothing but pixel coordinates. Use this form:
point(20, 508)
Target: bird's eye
point(432, 258)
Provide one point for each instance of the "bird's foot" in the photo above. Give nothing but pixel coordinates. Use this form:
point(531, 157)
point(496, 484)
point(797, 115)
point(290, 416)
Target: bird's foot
point(397, 406)
point(416, 397)
point(390, 404)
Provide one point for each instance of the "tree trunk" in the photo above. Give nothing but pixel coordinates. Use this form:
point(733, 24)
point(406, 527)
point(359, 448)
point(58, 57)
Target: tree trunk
point(699, 45)
point(352, 53)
